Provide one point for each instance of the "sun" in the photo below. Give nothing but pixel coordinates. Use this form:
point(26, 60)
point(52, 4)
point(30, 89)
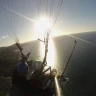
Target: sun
point(43, 25)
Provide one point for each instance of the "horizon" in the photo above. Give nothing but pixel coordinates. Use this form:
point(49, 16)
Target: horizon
point(69, 35)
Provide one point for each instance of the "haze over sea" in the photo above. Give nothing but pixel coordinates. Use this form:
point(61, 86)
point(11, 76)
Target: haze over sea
point(82, 66)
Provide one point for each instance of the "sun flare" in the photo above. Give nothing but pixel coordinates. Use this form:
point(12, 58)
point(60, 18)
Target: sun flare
point(42, 26)
point(51, 53)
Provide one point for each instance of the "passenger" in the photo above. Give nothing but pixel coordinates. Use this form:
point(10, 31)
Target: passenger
point(20, 72)
point(19, 79)
point(22, 68)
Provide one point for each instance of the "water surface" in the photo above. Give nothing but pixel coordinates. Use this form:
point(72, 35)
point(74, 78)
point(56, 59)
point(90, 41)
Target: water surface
point(82, 66)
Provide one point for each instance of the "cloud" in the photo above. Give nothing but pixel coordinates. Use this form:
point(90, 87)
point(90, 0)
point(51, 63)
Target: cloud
point(3, 37)
point(7, 36)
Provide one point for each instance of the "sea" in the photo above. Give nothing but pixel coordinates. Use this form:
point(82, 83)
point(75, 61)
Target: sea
point(81, 69)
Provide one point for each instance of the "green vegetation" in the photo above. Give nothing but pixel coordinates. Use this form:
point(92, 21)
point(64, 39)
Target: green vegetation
point(8, 61)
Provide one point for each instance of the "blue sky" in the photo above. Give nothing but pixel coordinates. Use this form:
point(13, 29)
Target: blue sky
point(75, 16)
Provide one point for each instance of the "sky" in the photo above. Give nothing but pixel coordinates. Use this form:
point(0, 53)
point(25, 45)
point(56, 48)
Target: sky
point(18, 18)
